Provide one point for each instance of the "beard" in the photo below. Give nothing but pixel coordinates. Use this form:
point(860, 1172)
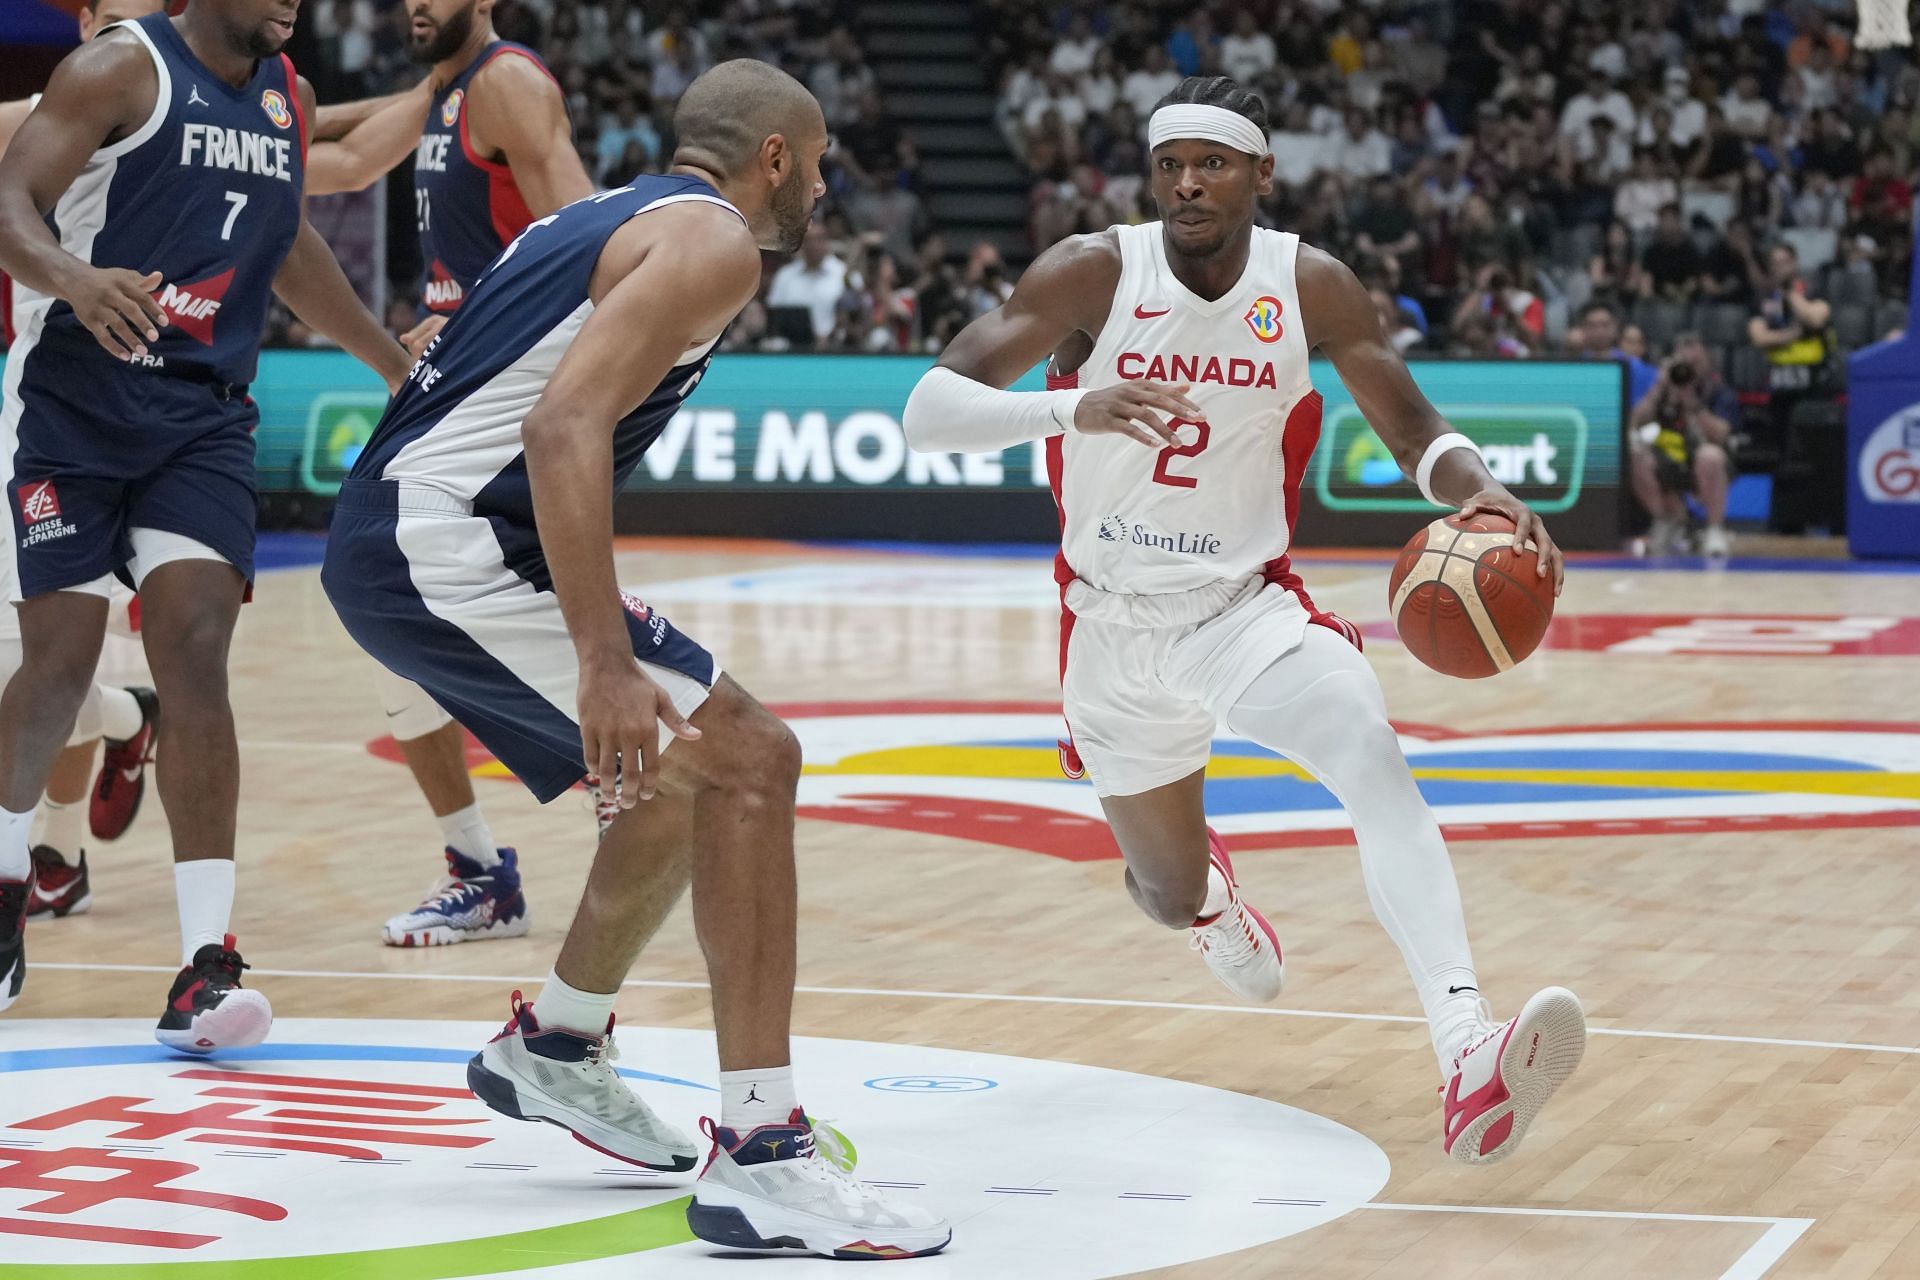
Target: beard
point(445, 40)
point(262, 42)
point(792, 210)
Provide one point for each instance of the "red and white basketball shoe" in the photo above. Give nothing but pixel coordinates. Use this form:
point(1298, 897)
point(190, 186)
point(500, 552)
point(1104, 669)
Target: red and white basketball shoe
point(1238, 944)
point(1506, 1074)
point(122, 780)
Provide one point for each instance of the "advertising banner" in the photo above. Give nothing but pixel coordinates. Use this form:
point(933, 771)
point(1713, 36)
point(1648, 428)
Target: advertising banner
point(811, 446)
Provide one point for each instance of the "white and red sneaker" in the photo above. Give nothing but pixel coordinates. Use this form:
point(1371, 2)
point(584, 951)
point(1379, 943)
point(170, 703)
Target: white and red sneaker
point(1238, 944)
point(1506, 1074)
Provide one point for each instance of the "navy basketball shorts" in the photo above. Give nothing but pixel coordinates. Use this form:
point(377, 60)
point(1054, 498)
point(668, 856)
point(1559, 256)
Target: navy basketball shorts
point(115, 470)
point(423, 586)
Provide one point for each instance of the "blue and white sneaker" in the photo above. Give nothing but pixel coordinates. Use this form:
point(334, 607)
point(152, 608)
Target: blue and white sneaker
point(770, 1191)
point(471, 904)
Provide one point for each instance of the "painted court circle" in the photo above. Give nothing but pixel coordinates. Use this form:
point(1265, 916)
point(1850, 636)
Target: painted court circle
point(350, 1148)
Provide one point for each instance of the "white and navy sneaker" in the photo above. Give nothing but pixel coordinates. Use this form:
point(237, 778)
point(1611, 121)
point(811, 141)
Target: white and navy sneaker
point(1506, 1073)
point(15, 897)
point(207, 1008)
point(470, 903)
point(567, 1079)
point(769, 1191)
point(1238, 944)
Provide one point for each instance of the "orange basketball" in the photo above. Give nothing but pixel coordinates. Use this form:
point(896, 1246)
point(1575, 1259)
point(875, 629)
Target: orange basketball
point(1464, 601)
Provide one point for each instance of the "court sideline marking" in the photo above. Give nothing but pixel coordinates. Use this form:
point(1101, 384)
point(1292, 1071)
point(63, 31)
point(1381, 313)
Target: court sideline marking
point(1780, 1235)
point(997, 996)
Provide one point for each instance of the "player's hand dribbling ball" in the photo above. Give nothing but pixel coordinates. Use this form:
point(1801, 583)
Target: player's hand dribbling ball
point(1467, 602)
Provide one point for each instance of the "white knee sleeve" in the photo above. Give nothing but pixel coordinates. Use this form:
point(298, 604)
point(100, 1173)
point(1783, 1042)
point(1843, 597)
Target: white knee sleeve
point(410, 712)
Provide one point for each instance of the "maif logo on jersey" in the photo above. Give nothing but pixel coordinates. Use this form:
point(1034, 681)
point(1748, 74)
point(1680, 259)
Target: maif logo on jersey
point(191, 307)
point(275, 105)
point(1263, 318)
point(450, 109)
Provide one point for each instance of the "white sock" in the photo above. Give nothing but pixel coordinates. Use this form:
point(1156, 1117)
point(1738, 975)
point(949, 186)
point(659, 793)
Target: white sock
point(749, 1099)
point(120, 716)
point(203, 890)
point(1321, 706)
point(466, 832)
point(584, 1013)
point(1453, 1013)
point(64, 826)
point(1216, 894)
point(14, 859)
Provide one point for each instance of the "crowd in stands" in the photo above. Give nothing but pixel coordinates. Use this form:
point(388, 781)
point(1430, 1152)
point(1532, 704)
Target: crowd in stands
point(879, 279)
point(1717, 192)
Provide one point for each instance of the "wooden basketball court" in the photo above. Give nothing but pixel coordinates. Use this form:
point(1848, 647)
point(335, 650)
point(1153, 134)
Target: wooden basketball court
point(1706, 829)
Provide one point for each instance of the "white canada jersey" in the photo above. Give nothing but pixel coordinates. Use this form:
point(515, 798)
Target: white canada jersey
point(1221, 505)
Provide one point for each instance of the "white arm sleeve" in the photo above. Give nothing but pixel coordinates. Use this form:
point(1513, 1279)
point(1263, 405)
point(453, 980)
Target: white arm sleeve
point(951, 413)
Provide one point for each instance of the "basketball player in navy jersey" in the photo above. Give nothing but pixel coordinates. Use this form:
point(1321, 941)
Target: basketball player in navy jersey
point(472, 553)
point(124, 717)
point(496, 152)
point(151, 203)
point(1164, 639)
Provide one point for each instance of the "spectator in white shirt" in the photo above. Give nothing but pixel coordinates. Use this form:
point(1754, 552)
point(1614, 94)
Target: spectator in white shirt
point(1362, 151)
point(1645, 192)
point(1604, 150)
point(1687, 115)
point(1298, 152)
point(1247, 52)
point(1818, 82)
point(1058, 96)
point(1074, 52)
point(1596, 98)
point(1145, 87)
point(839, 79)
point(1099, 88)
point(1750, 115)
point(814, 280)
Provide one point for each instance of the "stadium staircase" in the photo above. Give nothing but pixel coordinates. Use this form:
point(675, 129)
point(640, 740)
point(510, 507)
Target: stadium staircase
point(936, 85)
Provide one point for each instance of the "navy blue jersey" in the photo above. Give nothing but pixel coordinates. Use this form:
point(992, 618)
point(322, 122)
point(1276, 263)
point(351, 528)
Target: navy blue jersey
point(206, 192)
point(467, 205)
point(455, 424)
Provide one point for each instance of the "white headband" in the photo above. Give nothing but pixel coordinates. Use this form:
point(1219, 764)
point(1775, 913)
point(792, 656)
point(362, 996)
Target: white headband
point(1215, 124)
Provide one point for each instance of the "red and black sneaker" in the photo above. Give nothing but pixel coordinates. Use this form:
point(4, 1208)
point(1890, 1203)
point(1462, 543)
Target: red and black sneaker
point(14, 896)
point(122, 780)
point(63, 888)
point(208, 1009)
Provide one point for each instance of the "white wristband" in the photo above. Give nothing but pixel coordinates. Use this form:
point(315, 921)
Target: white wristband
point(1423, 474)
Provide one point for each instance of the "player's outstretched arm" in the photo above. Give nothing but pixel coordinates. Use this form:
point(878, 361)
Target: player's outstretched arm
point(311, 282)
point(1342, 323)
point(962, 405)
point(337, 119)
point(101, 92)
point(704, 259)
point(371, 147)
point(517, 107)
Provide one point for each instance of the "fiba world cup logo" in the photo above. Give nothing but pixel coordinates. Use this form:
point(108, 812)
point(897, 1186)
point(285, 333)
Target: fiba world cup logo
point(450, 109)
point(275, 105)
point(1263, 318)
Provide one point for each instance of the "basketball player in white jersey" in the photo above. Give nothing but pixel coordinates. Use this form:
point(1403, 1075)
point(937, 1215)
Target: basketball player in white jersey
point(1179, 425)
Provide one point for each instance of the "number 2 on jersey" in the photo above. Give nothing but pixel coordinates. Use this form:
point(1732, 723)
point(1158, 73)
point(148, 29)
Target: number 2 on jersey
point(1160, 473)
